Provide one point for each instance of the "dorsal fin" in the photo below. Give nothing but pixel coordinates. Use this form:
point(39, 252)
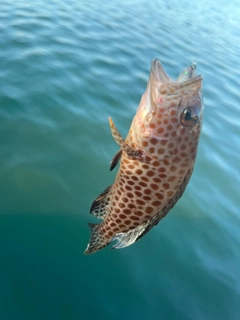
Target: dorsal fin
point(115, 159)
point(100, 204)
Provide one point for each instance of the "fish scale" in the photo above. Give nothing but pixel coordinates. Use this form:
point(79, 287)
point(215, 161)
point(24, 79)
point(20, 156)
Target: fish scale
point(156, 159)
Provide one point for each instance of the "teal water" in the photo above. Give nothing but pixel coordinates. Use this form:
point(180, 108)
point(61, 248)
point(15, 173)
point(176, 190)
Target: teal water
point(65, 66)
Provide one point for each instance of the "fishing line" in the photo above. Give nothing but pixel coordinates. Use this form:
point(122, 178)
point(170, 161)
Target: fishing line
point(201, 42)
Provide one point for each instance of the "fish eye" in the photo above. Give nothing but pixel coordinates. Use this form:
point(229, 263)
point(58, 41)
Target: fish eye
point(189, 116)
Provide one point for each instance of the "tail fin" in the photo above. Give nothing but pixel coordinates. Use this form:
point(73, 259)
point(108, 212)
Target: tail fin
point(97, 240)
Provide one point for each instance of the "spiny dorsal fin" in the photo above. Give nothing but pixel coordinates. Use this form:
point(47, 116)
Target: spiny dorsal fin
point(100, 204)
point(115, 159)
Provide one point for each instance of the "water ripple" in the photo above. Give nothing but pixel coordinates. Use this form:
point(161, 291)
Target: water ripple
point(64, 68)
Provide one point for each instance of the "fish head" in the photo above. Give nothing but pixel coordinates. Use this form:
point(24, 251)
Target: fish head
point(169, 118)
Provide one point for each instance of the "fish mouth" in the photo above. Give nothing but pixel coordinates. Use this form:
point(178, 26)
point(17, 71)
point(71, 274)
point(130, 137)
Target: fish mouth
point(163, 88)
point(160, 84)
point(159, 76)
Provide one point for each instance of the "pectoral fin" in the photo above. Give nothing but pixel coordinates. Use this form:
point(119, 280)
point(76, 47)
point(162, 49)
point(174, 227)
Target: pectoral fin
point(115, 159)
point(132, 153)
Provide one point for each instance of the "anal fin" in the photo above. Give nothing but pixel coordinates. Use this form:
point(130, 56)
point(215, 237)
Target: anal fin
point(125, 239)
point(100, 204)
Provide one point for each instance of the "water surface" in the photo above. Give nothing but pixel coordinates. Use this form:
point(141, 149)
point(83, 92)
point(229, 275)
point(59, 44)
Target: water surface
point(64, 68)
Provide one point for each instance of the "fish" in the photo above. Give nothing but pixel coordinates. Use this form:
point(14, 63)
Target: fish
point(156, 160)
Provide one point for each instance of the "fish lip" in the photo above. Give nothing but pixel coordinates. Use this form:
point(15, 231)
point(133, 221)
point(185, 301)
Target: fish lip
point(158, 72)
point(193, 80)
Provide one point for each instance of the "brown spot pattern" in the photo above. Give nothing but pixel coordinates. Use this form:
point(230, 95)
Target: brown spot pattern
point(143, 188)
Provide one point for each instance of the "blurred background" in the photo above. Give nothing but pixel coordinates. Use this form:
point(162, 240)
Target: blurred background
point(65, 66)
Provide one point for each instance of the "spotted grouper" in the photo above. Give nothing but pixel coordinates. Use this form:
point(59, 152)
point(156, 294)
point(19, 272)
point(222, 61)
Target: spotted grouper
point(156, 159)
